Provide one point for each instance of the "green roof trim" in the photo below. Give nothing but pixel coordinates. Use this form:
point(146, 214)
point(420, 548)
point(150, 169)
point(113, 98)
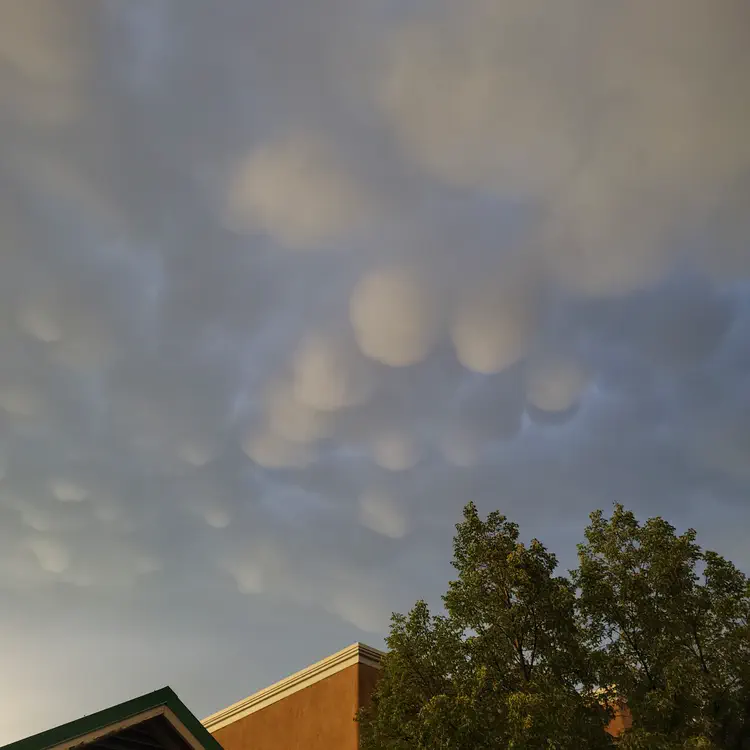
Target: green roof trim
point(85, 725)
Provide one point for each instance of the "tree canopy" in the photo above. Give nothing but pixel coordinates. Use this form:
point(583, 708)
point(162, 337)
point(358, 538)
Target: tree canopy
point(524, 658)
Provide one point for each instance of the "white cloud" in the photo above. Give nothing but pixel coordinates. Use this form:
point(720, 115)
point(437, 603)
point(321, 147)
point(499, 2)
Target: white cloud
point(295, 190)
point(555, 383)
point(292, 420)
point(395, 316)
point(218, 518)
point(476, 107)
point(492, 326)
point(67, 491)
point(624, 129)
point(43, 41)
point(395, 450)
point(51, 554)
point(329, 374)
point(274, 452)
point(382, 514)
point(249, 579)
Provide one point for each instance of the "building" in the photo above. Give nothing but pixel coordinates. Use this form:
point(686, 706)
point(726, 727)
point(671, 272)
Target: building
point(313, 709)
point(156, 721)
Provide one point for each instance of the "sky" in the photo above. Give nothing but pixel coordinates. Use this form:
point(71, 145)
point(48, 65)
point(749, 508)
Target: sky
point(283, 285)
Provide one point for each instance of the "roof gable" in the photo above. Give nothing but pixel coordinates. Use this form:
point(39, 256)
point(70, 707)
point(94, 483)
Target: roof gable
point(115, 720)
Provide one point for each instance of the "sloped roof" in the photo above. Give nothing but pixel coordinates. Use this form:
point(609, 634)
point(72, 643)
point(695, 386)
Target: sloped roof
point(170, 725)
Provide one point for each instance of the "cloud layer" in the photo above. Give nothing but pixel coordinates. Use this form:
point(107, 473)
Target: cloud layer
point(282, 286)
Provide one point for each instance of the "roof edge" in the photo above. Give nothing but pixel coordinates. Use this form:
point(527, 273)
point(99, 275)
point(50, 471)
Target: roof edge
point(76, 732)
point(357, 653)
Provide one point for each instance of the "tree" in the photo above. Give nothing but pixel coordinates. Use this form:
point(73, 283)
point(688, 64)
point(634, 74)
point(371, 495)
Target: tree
point(505, 667)
point(525, 659)
point(667, 623)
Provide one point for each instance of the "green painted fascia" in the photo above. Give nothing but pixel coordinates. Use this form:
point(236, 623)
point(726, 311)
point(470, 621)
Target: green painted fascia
point(192, 724)
point(102, 719)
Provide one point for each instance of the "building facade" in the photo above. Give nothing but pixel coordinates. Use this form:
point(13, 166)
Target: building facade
point(313, 709)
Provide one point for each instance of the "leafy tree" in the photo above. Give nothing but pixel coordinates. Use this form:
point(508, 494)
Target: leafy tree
point(523, 659)
point(505, 667)
point(667, 624)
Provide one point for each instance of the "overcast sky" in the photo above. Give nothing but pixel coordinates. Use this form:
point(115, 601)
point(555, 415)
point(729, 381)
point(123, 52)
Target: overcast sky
point(283, 285)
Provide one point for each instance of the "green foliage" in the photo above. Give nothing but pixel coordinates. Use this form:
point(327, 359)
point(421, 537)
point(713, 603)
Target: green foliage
point(525, 659)
point(668, 624)
point(502, 669)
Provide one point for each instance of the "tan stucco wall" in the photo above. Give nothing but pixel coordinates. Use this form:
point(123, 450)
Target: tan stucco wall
point(368, 677)
point(318, 717)
point(621, 721)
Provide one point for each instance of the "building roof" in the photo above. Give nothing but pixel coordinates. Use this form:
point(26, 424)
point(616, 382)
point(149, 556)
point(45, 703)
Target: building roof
point(357, 653)
point(155, 721)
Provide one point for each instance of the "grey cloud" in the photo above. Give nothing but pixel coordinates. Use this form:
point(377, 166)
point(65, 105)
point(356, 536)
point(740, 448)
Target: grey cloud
point(625, 147)
point(484, 252)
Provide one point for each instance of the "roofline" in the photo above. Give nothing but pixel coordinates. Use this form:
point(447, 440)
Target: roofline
point(115, 718)
point(357, 653)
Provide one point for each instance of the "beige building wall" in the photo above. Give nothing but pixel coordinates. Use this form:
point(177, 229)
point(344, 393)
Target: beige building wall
point(311, 710)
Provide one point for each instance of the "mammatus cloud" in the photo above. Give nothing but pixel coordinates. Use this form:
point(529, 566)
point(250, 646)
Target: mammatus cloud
point(329, 374)
point(599, 122)
point(555, 383)
point(493, 325)
point(44, 43)
point(280, 293)
point(395, 316)
point(466, 104)
point(46, 55)
point(292, 420)
point(295, 191)
point(395, 450)
point(273, 452)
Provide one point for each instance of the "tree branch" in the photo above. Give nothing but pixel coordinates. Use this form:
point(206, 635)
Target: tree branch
point(704, 666)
